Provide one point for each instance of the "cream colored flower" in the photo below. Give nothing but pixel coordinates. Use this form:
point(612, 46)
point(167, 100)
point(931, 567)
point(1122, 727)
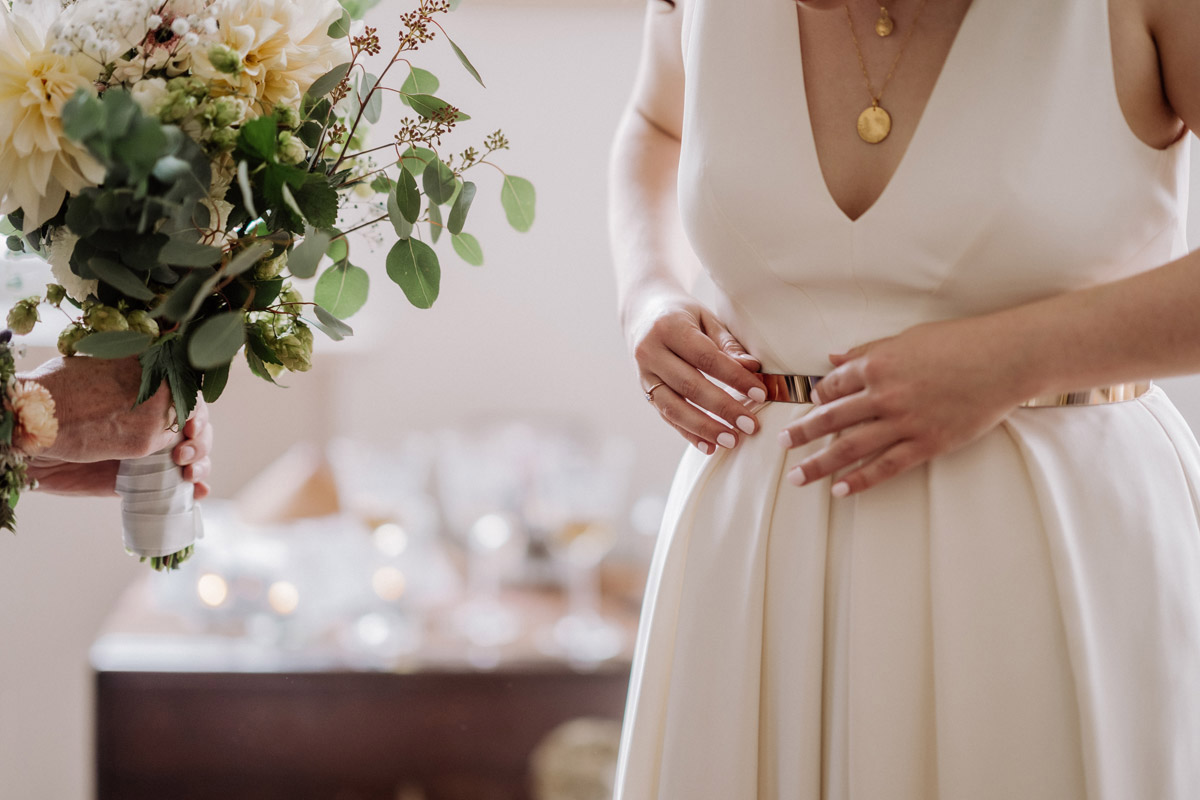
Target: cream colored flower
point(39, 165)
point(150, 94)
point(284, 46)
point(35, 427)
point(59, 250)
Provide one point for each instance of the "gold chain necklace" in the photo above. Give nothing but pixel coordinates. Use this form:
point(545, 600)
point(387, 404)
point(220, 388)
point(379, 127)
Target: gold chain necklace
point(875, 123)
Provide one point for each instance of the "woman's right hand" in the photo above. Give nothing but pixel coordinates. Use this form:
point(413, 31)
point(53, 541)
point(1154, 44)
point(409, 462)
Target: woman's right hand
point(679, 345)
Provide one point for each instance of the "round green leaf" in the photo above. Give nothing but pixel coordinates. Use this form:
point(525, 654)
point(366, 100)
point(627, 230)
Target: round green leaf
point(468, 249)
point(217, 340)
point(518, 198)
point(403, 226)
point(419, 81)
point(414, 267)
point(306, 256)
point(438, 180)
point(408, 196)
point(339, 248)
point(342, 290)
point(462, 205)
point(414, 159)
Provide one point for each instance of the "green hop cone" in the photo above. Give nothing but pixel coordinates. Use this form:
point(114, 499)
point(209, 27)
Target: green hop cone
point(224, 139)
point(294, 354)
point(178, 107)
point(270, 268)
point(105, 318)
point(290, 299)
point(225, 59)
point(221, 112)
point(55, 294)
point(24, 315)
point(291, 149)
point(142, 322)
point(189, 85)
point(69, 338)
point(287, 116)
point(304, 334)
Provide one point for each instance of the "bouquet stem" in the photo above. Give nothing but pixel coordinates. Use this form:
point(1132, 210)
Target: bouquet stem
point(159, 514)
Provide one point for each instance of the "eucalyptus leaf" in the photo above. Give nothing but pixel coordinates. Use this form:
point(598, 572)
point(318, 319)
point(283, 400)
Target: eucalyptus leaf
point(414, 267)
point(217, 340)
point(435, 223)
point(428, 106)
point(330, 332)
point(414, 159)
point(120, 277)
point(182, 253)
point(329, 81)
point(439, 181)
point(247, 258)
point(7, 228)
point(114, 344)
point(518, 198)
point(462, 205)
point(339, 247)
point(399, 222)
point(342, 290)
point(332, 323)
point(371, 98)
point(408, 196)
point(306, 256)
point(340, 29)
point(466, 62)
point(468, 249)
point(185, 299)
point(419, 81)
point(289, 200)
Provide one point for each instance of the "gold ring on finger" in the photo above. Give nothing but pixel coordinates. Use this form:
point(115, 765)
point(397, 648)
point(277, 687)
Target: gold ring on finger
point(650, 392)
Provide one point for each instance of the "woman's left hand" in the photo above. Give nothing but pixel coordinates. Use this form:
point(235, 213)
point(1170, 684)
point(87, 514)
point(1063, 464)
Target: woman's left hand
point(896, 403)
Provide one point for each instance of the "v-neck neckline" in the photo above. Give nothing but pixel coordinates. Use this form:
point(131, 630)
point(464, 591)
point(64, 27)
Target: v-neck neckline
point(929, 110)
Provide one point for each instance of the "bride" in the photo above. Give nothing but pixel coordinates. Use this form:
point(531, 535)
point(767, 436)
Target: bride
point(914, 579)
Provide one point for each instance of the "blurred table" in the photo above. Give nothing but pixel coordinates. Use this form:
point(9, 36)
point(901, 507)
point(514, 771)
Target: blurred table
point(188, 716)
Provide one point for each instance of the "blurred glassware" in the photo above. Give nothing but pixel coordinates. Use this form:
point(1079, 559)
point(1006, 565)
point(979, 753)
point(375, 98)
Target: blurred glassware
point(579, 500)
point(496, 543)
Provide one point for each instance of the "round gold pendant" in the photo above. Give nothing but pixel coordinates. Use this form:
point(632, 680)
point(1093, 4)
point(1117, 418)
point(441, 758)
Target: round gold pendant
point(874, 124)
point(884, 25)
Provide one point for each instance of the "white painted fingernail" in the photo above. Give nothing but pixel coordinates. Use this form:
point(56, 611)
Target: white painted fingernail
point(757, 395)
point(704, 447)
point(746, 424)
point(785, 439)
point(797, 477)
point(727, 440)
point(840, 489)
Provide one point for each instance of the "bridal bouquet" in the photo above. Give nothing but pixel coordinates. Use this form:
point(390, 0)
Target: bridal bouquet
point(181, 164)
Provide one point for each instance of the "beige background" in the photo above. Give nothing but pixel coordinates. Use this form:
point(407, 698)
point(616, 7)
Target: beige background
point(533, 333)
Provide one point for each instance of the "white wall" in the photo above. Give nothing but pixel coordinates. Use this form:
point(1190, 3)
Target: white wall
point(532, 333)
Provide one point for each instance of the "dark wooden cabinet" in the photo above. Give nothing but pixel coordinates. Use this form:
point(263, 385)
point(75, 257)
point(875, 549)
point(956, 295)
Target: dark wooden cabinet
point(336, 735)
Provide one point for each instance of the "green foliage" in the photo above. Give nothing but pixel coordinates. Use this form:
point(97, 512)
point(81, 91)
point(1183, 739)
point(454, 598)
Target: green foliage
point(518, 198)
point(328, 82)
point(114, 344)
point(408, 196)
point(419, 81)
point(439, 181)
point(217, 340)
point(414, 159)
point(466, 62)
point(358, 9)
point(468, 249)
point(461, 207)
point(430, 107)
point(414, 267)
point(342, 290)
point(435, 222)
point(167, 361)
point(307, 255)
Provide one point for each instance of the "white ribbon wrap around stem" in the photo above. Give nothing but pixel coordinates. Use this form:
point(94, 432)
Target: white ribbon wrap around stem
point(158, 507)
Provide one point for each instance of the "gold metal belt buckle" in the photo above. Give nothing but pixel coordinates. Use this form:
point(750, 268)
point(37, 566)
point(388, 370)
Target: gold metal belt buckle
point(799, 389)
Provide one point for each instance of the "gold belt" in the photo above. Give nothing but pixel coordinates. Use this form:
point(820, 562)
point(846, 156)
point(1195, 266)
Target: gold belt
point(799, 389)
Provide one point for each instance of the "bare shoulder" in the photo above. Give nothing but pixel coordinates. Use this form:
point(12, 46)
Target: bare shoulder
point(1155, 60)
point(658, 90)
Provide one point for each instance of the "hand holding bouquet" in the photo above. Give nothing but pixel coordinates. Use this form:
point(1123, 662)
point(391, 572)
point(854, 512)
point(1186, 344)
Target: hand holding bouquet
point(180, 163)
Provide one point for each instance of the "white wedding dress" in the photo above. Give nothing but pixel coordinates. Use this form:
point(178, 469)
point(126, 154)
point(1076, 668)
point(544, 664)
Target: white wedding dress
point(1019, 620)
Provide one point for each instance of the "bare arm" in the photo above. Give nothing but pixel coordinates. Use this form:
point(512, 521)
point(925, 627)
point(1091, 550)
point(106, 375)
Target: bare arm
point(676, 342)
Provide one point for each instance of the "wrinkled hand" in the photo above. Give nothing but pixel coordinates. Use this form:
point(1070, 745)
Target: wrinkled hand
point(678, 342)
point(99, 427)
point(901, 401)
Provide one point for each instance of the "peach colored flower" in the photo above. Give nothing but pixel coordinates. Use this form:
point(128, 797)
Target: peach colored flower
point(35, 427)
point(283, 45)
point(39, 165)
